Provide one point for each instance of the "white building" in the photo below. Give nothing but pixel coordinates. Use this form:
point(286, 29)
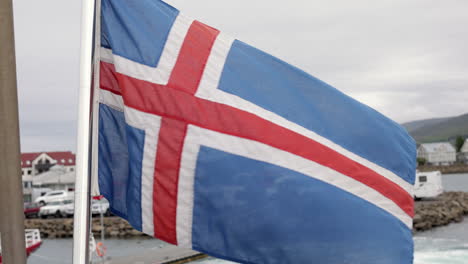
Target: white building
point(33, 164)
point(441, 153)
point(57, 178)
point(463, 155)
point(30, 192)
point(27, 188)
point(38, 162)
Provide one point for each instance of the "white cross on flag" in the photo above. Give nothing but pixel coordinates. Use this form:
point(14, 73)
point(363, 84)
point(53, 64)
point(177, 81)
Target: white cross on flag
point(208, 143)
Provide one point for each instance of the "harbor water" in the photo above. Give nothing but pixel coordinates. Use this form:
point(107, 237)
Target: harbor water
point(448, 244)
point(455, 182)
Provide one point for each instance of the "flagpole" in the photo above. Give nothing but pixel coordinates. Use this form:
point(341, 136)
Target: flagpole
point(11, 192)
point(81, 230)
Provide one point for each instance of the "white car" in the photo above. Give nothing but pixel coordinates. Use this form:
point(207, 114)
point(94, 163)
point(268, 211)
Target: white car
point(53, 196)
point(57, 209)
point(100, 206)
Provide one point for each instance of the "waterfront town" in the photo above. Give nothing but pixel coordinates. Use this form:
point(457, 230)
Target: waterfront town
point(211, 150)
point(43, 172)
point(49, 182)
point(50, 176)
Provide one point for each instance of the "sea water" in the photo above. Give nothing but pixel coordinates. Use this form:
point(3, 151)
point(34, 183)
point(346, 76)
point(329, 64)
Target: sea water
point(444, 245)
point(448, 244)
point(455, 182)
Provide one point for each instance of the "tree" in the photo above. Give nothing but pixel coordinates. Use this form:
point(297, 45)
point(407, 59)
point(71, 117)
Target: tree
point(459, 143)
point(421, 161)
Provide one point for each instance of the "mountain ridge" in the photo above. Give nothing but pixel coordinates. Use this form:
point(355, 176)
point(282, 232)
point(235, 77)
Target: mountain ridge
point(438, 129)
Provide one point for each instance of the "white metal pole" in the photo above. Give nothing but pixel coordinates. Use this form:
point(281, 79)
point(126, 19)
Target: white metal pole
point(102, 222)
point(82, 191)
point(102, 228)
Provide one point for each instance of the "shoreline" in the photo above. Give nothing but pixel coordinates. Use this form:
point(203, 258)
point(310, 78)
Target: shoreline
point(452, 169)
point(114, 227)
point(449, 207)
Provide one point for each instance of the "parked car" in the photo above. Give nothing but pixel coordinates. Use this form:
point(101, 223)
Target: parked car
point(100, 206)
point(31, 210)
point(53, 196)
point(57, 209)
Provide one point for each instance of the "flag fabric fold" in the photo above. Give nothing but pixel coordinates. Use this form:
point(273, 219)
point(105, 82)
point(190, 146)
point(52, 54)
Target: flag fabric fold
point(208, 143)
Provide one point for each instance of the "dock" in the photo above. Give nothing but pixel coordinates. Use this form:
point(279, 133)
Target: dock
point(166, 255)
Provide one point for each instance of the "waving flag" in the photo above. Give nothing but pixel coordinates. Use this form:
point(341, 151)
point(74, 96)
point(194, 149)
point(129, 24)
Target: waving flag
point(208, 143)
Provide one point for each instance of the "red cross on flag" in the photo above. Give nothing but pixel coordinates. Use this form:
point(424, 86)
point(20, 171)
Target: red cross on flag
point(208, 143)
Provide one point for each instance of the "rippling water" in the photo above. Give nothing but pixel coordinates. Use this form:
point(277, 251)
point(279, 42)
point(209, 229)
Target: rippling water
point(444, 245)
point(455, 182)
point(448, 244)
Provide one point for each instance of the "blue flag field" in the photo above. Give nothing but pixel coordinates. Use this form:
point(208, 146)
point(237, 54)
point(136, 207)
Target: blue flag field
point(208, 143)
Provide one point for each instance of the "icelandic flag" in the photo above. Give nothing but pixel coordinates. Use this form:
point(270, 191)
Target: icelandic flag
point(208, 143)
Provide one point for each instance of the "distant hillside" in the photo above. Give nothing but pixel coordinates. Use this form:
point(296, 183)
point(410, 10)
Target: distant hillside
point(414, 125)
point(438, 129)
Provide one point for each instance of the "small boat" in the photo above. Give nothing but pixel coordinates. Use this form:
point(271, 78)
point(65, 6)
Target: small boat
point(33, 241)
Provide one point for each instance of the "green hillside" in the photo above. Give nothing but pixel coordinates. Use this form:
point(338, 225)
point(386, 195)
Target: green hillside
point(414, 125)
point(440, 129)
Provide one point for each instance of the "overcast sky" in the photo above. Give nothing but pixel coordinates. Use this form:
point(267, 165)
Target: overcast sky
point(407, 59)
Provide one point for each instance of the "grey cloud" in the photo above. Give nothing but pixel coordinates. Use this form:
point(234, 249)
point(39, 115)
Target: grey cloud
point(407, 59)
point(47, 53)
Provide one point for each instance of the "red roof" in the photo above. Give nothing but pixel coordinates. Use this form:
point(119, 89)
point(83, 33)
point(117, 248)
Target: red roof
point(25, 157)
point(66, 158)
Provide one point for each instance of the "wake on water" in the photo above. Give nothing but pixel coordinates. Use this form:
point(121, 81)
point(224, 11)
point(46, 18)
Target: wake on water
point(445, 245)
point(440, 251)
point(427, 251)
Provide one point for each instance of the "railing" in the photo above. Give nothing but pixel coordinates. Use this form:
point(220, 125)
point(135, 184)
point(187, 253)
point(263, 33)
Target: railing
point(42, 167)
point(32, 237)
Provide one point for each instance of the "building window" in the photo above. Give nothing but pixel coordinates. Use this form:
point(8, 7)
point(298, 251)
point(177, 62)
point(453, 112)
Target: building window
point(28, 162)
point(71, 169)
point(29, 172)
point(422, 178)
